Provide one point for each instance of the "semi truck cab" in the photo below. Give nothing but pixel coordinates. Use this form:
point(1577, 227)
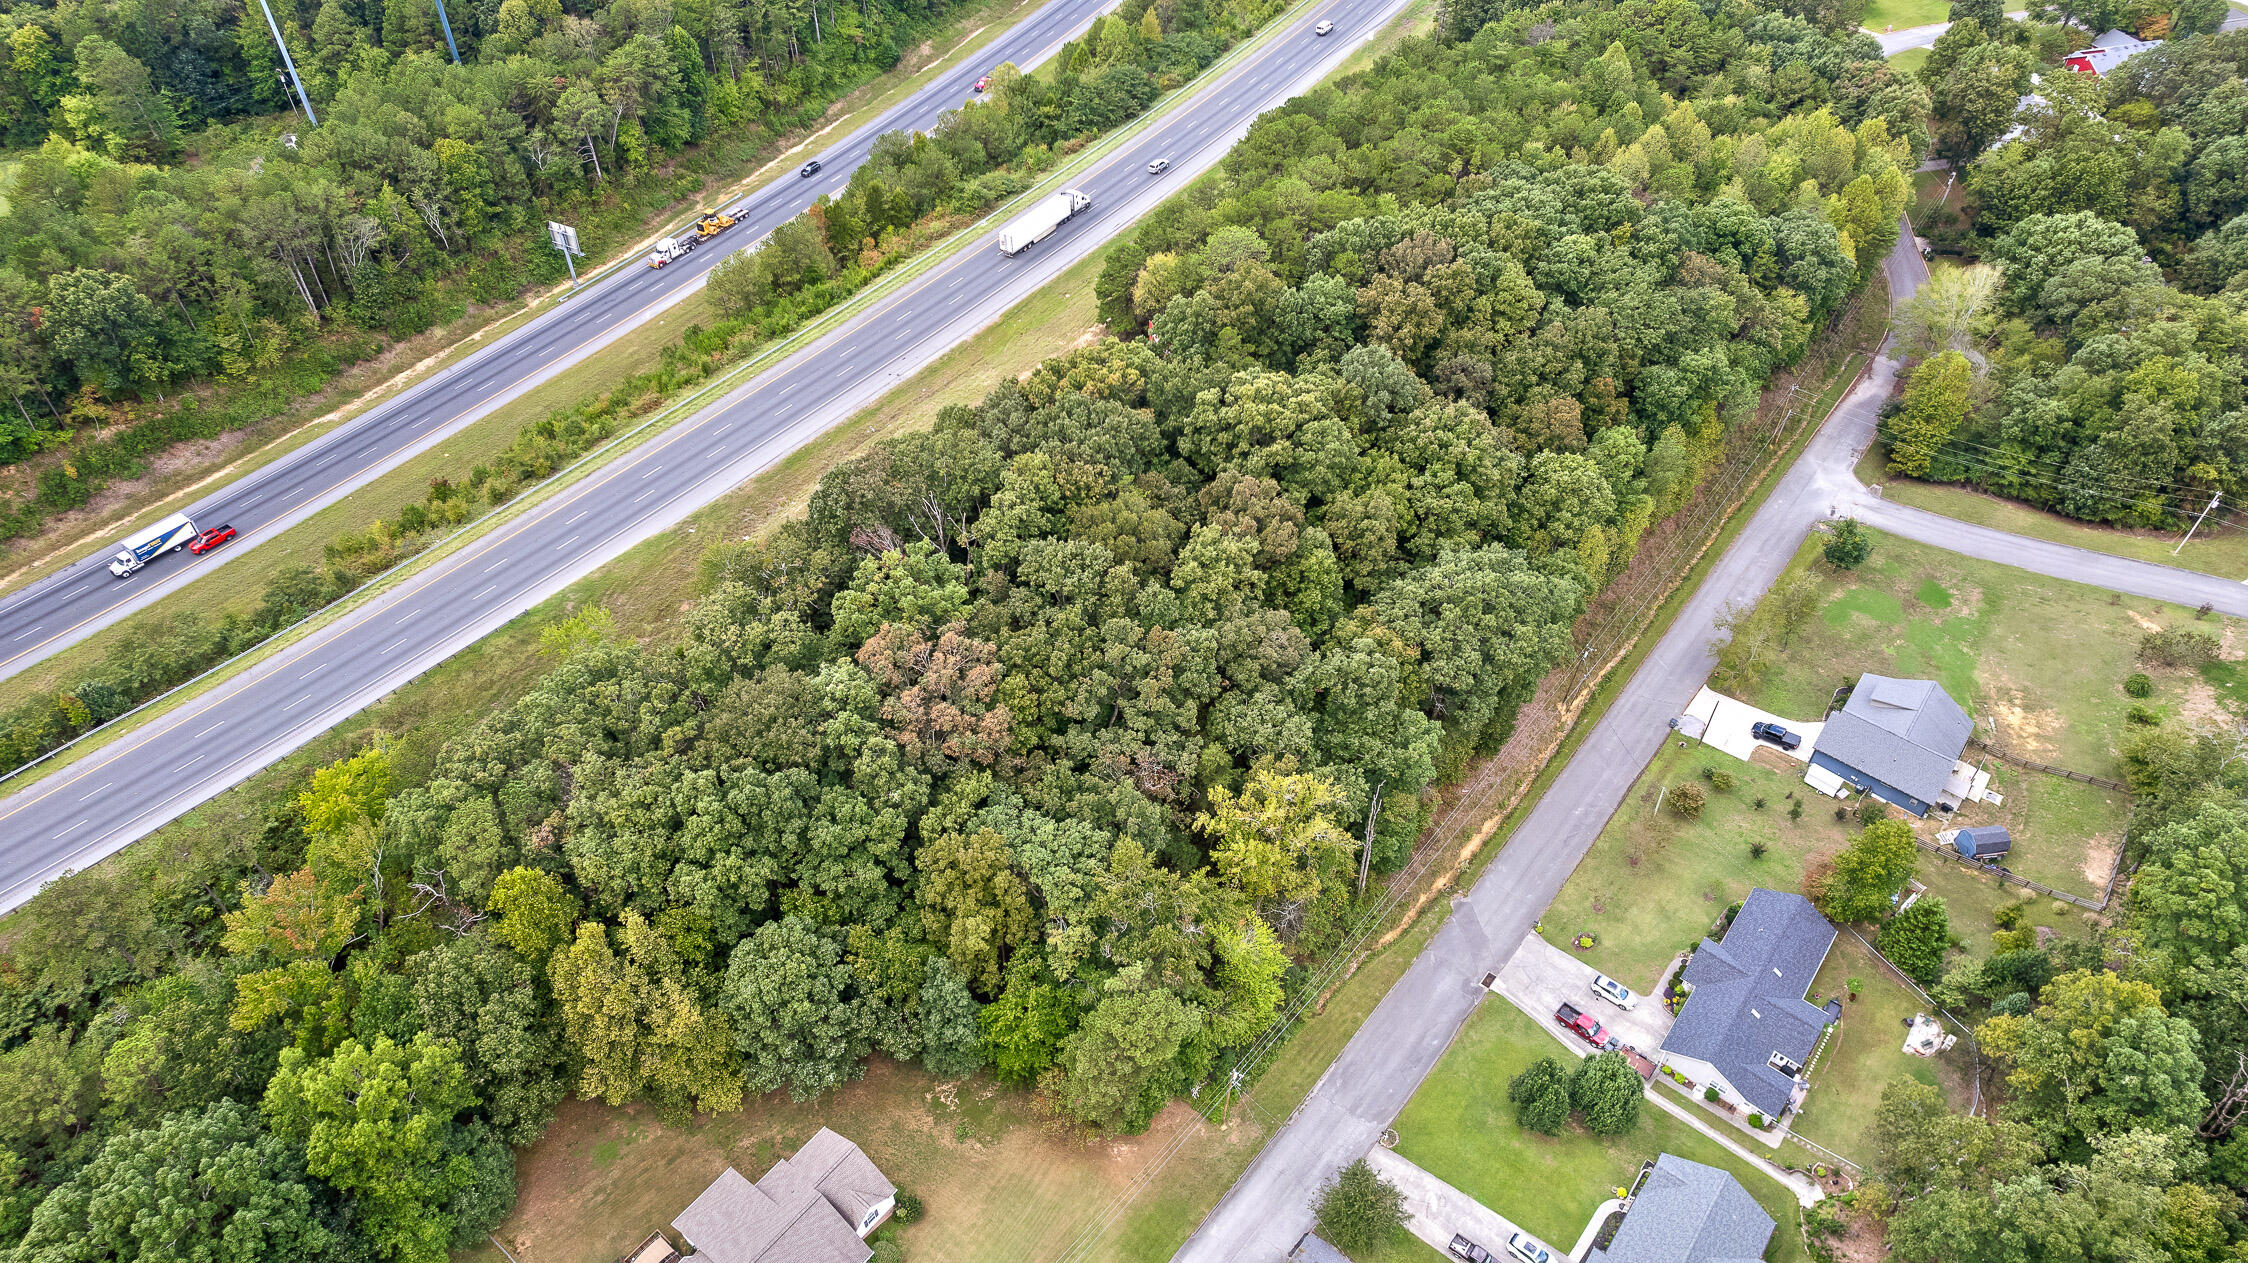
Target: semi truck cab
point(143, 547)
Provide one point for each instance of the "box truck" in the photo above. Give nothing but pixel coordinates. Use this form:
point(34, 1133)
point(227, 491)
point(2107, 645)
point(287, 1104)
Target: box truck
point(137, 551)
point(1035, 224)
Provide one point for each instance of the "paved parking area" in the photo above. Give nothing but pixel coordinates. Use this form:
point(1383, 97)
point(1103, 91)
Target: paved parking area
point(1540, 976)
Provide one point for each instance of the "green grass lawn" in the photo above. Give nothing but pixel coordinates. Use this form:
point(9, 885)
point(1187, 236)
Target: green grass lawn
point(1460, 1128)
point(1905, 14)
point(1866, 1053)
point(1911, 60)
point(1654, 883)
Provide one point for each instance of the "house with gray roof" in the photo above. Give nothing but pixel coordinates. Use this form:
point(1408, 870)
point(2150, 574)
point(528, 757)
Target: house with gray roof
point(1746, 1029)
point(1898, 740)
point(1685, 1212)
point(815, 1207)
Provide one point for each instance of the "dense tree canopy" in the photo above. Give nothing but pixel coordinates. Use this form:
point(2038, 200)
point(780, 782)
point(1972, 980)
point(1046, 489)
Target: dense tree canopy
point(1052, 739)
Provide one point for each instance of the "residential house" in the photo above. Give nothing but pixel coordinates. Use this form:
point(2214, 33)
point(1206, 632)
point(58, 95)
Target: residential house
point(1685, 1212)
point(1899, 740)
point(815, 1207)
point(1746, 1029)
point(2107, 52)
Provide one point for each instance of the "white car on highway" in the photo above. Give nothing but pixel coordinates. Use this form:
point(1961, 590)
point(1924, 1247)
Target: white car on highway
point(1614, 992)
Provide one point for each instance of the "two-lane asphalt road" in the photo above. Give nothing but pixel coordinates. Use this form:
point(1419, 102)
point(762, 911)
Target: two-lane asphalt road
point(82, 598)
point(142, 779)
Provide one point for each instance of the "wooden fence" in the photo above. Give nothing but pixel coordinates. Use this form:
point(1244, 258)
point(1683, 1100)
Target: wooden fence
point(2008, 756)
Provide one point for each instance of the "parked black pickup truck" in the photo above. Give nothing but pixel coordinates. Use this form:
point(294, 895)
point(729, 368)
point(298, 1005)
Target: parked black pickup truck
point(1781, 737)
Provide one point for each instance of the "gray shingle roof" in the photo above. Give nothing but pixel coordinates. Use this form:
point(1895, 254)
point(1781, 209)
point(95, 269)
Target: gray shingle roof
point(1989, 839)
point(1747, 1000)
point(1905, 733)
point(805, 1210)
point(1689, 1213)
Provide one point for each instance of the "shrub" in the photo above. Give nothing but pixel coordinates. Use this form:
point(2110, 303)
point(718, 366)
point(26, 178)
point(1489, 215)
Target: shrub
point(1722, 781)
point(1871, 809)
point(1868, 872)
point(909, 1207)
point(1916, 939)
point(1758, 802)
point(2143, 716)
point(2139, 684)
point(1710, 1094)
point(1358, 1210)
point(1606, 1090)
point(1540, 1095)
point(1756, 1121)
point(1756, 850)
point(1795, 810)
point(1687, 799)
point(2007, 915)
point(2178, 647)
point(1848, 545)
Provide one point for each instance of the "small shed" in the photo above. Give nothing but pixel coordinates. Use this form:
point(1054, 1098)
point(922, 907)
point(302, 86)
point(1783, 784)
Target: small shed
point(1983, 842)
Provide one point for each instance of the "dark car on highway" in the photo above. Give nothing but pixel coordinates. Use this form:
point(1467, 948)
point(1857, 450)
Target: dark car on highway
point(809, 169)
point(1766, 731)
point(210, 539)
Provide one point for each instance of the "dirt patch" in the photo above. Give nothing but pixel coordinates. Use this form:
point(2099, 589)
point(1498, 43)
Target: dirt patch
point(2201, 710)
point(2145, 623)
point(2021, 729)
point(2099, 861)
point(1765, 756)
point(1860, 1241)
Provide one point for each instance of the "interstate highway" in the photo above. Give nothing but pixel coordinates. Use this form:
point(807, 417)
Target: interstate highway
point(143, 778)
point(82, 598)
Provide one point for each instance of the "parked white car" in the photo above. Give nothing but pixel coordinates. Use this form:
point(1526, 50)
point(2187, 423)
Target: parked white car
point(1528, 1249)
point(1614, 992)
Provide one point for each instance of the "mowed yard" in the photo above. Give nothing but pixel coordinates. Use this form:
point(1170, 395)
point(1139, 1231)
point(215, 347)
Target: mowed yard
point(2040, 665)
point(999, 1182)
point(1460, 1128)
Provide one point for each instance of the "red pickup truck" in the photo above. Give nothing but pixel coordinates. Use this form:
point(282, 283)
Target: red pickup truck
point(1587, 1028)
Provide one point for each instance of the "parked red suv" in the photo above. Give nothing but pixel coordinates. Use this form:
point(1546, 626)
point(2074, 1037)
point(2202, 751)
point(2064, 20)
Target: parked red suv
point(210, 539)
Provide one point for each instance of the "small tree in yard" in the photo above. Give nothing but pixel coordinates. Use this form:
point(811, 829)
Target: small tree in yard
point(1606, 1090)
point(1357, 1209)
point(1916, 939)
point(1848, 545)
point(1876, 864)
point(1541, 1096)
point(1687, 799)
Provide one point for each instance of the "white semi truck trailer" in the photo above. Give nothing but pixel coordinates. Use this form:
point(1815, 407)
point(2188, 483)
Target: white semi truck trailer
point(1035, 224)
point(138, 550)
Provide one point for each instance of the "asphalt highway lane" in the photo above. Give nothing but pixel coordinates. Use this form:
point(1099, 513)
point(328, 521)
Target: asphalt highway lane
point(82, 598)
point(142, 779)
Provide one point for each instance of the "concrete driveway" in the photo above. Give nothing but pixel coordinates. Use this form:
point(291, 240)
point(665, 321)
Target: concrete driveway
point(1540, 976)
point(1440, 1211)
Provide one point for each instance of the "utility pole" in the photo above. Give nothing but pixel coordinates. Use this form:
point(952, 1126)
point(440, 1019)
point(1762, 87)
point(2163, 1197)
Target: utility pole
point(447, 23)
point(2197, 523)
point(1366, 852)
point(286, 60)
